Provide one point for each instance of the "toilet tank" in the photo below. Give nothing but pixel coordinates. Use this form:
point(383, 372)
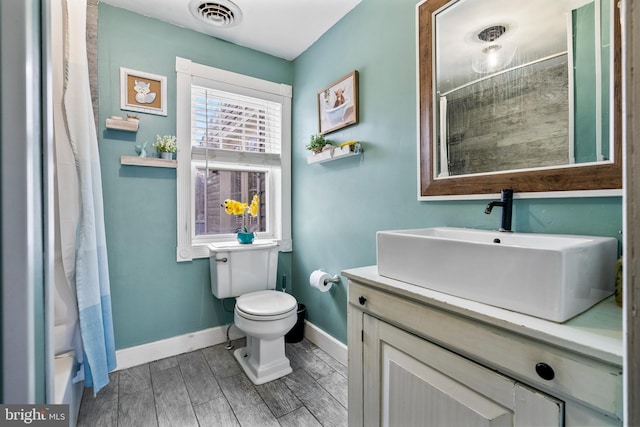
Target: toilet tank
point(238, 269)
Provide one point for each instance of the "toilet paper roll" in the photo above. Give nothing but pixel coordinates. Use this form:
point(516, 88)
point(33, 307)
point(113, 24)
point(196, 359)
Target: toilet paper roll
point(318, 280)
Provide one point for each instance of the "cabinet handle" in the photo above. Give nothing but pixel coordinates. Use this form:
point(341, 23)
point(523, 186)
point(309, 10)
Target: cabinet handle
point(362, 300)
point(545, 371)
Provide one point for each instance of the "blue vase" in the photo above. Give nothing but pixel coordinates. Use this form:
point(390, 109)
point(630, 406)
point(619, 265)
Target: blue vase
point(245, 238)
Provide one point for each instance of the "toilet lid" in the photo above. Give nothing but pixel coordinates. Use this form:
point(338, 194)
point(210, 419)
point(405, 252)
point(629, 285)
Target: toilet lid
point(266, 303)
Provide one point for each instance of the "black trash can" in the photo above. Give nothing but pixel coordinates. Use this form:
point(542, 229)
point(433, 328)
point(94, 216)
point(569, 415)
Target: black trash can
point(296, 334)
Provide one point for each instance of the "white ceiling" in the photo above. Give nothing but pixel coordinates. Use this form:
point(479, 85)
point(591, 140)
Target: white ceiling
point(283, 28)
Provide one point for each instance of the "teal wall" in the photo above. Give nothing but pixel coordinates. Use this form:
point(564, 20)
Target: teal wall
point(338, 206)
point(584, 57)
point(153, 296)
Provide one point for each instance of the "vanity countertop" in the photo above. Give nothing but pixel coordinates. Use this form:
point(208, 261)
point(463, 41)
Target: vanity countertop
point(596, 333)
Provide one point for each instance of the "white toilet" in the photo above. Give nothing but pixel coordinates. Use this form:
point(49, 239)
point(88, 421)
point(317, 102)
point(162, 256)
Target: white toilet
point(263, 314)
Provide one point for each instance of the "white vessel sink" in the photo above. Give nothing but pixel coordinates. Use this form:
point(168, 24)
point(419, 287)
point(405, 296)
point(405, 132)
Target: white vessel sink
point(554, 277)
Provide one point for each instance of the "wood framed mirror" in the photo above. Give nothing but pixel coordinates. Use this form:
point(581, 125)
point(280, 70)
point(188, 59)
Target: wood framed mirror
point(604, 173)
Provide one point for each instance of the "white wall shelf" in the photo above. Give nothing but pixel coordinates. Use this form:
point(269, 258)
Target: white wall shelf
point(148, 161)
point(123, 125)
point(330, 155)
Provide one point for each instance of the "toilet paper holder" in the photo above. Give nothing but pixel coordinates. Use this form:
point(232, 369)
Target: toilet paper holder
point(335, 279)
point(322, 280)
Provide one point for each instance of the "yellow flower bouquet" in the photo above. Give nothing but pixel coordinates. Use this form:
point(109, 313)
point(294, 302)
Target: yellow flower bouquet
point(234, 207)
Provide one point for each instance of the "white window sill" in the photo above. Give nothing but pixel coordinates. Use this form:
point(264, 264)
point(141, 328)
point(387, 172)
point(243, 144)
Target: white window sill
point(201, 250)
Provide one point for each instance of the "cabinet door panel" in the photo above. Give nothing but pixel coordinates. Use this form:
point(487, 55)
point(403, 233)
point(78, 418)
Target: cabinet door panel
point(413, 389)
point(531, 404)
point(409, 381)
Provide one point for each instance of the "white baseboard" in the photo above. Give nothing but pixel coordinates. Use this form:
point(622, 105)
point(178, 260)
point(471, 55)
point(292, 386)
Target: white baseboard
point(145, 353)
point(326, 342)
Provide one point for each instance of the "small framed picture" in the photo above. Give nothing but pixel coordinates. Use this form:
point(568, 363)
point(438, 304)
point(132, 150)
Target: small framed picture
point(338, 104)
point(143, 92)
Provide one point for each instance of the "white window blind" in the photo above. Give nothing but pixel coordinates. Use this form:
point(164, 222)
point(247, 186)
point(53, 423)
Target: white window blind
point(234, 122)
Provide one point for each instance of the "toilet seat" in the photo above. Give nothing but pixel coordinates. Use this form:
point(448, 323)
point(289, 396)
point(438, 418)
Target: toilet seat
point(266, 305)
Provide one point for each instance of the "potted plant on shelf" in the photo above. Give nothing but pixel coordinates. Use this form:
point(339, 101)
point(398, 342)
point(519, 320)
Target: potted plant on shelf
point(319, 144)
point(322, 149)
point(165, 146)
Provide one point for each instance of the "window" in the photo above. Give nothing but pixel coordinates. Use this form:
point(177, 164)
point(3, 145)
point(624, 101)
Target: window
point(235, 130)
point(213, 186)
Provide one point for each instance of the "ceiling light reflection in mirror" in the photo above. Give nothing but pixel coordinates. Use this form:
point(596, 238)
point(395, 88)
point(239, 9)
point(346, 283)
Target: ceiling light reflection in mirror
point(521, 85)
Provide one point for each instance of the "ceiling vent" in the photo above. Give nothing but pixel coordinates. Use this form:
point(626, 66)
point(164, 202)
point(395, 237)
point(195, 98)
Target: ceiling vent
point(219, 13)
point(490, 34)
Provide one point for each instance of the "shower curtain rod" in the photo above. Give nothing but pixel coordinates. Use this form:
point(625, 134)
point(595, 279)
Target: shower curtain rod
point(546, 58)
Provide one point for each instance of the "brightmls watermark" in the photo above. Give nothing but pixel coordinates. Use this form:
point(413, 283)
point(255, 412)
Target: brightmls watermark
point(34, 415)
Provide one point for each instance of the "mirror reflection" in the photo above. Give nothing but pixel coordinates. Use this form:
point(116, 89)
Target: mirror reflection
point(521, 85)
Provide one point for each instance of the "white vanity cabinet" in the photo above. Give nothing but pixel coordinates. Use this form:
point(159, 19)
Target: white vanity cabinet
point(410, 381)
point(422, 358)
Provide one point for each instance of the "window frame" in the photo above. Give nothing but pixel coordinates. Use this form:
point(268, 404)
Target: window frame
point(279, 183)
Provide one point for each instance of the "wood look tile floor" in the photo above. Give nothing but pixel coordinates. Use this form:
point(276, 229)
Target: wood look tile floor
point(208, 388)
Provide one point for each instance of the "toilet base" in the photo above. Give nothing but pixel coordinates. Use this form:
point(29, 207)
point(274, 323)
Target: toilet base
point(263, 360)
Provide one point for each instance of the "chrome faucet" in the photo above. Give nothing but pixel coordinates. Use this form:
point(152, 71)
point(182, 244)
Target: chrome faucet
point(506, 202)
